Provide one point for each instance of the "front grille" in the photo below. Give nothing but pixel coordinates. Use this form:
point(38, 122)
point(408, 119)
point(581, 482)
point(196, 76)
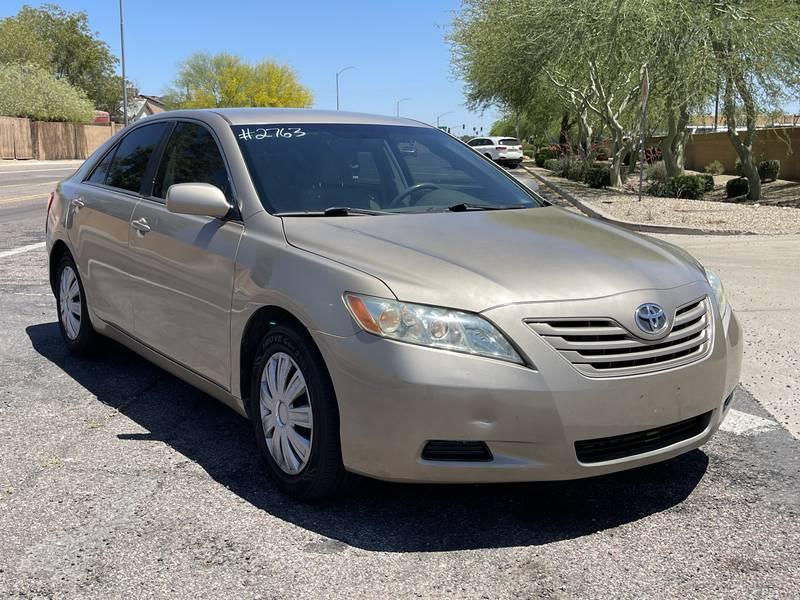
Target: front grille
point(601, 347)
point(455, 450)
point(630, 444)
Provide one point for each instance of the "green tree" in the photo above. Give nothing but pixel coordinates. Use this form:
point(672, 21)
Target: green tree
point(63, 43)
point(223, 79)
point(756, 49)
point(32, 92)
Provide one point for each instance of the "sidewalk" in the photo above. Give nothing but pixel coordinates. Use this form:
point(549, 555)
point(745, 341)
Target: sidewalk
point(702, 216)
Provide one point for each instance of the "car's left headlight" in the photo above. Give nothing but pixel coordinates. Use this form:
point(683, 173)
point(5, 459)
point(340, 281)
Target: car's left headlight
point(432, 326)
point(719, 292)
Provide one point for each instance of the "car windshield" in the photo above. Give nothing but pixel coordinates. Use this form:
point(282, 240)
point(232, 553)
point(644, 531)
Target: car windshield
point(372, 169)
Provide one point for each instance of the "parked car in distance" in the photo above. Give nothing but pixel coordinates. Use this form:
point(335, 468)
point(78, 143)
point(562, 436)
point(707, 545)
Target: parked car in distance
point(503, 150)
point(406, 316)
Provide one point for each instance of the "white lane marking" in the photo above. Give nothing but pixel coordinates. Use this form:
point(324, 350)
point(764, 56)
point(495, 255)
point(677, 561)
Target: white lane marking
point(745, 424)
point(72, 169)
point(21, 249)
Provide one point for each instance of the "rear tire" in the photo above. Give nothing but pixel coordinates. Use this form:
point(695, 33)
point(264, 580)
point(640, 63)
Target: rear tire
point(295, 415)
point(73, 312)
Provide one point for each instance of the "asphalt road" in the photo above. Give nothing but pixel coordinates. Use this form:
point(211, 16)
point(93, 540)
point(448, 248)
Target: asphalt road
point(118, 480)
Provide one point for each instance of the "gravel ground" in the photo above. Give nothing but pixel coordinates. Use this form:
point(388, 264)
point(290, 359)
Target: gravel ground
point(697, 214)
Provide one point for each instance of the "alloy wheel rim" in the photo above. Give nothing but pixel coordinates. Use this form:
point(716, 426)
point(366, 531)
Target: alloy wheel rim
point(69, 302)
point(286, 414)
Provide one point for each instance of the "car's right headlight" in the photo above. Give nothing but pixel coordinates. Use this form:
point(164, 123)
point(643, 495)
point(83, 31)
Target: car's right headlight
point(719, 292)
point(432, 326)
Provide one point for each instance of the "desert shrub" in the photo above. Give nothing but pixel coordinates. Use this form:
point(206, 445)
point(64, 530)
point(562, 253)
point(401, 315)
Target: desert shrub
point(736, 188)
point(598, 176)
point(708, 182)
point(32, 92)
point(576, 170)
point(687, 186)
point(543, 155)
point(656, 172)
point(659, 189)
point(715, 167)
point(768, 170)
point(653, 155)
point(551, 164)
point(528, 149)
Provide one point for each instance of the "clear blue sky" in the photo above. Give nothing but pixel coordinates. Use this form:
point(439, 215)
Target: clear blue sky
point(398, 48)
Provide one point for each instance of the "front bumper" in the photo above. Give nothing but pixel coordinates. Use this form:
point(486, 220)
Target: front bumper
point(394, 397)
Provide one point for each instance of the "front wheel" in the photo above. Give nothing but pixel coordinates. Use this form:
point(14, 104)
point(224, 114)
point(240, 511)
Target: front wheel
point(295, 415)
point(73, 312)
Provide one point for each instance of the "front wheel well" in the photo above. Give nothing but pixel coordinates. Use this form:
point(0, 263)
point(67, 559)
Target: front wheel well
point(264, 319)
point(59, 250)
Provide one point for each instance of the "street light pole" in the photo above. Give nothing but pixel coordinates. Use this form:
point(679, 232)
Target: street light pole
point(449, 112)
point(337, 84)
point(398, 104)
point(124, 81)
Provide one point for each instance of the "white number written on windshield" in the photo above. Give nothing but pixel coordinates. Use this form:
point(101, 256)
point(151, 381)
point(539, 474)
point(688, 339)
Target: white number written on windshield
point(260, 133)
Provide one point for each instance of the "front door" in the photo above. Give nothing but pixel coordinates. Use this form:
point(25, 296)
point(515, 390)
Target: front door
point(183, 265)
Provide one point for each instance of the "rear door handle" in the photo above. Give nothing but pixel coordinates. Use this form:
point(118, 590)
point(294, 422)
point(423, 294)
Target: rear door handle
point(140, 225)
point(77, 204)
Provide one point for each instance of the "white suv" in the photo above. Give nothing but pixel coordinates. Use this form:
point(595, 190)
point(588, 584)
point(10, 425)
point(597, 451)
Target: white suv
point(503, 150)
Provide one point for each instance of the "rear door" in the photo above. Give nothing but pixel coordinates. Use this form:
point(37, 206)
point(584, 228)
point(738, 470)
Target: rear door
point(98, 223)
point(184, 264)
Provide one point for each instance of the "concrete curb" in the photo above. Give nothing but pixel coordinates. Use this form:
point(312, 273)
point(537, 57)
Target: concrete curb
point(642, 227)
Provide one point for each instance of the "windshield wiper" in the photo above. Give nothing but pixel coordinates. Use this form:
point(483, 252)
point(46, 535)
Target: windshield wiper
point(465, 206)
point(335, 211)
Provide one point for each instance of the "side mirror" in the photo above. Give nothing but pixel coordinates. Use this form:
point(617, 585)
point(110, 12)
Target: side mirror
point(197, 199)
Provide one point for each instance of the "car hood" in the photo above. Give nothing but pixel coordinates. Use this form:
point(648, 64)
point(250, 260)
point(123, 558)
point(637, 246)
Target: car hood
point(478, 260)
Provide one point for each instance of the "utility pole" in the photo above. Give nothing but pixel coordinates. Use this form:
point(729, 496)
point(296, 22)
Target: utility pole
point(124, 80)
point(337, 84)
point(398, 104)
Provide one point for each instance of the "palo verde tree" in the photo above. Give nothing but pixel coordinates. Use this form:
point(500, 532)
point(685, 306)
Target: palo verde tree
point(223, 79)
point(756, 49)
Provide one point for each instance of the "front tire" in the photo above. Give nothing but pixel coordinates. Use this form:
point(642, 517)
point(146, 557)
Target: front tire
point(73, 312)
point(295, 415)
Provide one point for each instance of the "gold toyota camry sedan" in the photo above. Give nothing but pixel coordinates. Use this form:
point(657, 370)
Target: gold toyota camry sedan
point(410, 316)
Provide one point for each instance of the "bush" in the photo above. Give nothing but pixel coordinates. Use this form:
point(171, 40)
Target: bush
point(768, 170)
point(598, 176)
point(528, 149)
point(576, 170)
point(652, 155)
point(551, 164)
point(656, 172)
point(687, 186)
point(32, 92)
point(543, 156)
point(715, 168)
point(708, 182)
point(660, 189)
point(737, 188)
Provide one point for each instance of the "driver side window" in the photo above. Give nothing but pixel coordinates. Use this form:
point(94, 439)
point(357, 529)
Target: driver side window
point(191, 156)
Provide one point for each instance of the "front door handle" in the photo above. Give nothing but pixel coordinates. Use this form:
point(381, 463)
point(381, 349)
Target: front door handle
point(77, 204)
point(140, 225)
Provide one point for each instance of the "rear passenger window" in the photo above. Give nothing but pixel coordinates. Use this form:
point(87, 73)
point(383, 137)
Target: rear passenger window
point(101, 170)
point(131, 158)
point(191, 156)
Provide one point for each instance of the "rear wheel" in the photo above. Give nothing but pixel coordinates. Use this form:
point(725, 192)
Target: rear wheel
point(295, 415)
point(73, 313)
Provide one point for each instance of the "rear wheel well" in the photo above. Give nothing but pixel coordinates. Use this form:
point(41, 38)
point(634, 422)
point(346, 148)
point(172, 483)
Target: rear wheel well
point(264, 319)
point(59, 249)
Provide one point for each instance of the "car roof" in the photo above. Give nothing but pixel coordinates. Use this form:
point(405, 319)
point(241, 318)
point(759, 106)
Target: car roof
point(259, 116)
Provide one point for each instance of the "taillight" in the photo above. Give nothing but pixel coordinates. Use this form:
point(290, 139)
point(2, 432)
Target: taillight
point(500, 148)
